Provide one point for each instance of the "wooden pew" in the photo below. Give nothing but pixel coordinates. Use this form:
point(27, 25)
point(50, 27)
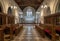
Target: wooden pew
point(4, 23)
point(52, 23)
point(16, 28)
point(51, 26)
point(2, 18)
point(57, 28)
point(8, 27)
point(40, 30)
point(1, 34)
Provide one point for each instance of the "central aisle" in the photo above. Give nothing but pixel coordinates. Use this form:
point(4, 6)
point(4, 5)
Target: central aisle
point(29, 34)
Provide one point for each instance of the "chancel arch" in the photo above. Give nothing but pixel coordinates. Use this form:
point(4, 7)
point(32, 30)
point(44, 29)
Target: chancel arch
point(29, 14)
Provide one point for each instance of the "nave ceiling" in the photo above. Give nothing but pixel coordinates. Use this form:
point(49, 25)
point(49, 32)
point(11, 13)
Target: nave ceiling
point(25, 3)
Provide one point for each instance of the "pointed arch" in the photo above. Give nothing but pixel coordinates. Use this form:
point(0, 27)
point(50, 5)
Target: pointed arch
point(1, 7)
point(9, 10)
point(29, 15)
point(57, 9)
point(48, 11)
point(29, 7)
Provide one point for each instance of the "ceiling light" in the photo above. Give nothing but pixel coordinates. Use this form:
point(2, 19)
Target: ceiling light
point(45, 6)
point(11, 6)
point(42, 6)
point(15, 7)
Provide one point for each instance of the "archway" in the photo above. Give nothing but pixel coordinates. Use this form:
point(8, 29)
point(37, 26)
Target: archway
point(1, 8)
point(48, 11)
point(29, 15)
point(58, 6)
point(10, 10)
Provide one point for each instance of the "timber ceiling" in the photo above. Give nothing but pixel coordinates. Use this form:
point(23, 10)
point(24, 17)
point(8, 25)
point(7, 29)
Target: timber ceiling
point(25, 3)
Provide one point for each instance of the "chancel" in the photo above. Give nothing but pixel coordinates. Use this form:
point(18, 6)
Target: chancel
point(29, 20)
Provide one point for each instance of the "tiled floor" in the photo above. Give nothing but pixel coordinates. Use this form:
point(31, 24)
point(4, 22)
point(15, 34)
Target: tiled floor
point(29, 34)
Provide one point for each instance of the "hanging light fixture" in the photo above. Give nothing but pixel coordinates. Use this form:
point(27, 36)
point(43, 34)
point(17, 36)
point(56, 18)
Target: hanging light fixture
point(44, 6)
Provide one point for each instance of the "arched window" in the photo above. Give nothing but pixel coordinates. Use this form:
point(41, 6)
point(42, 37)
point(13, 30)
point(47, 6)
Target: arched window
point(48, 11)
point(0, 15)
point(29, 12)
point(29, 15)
point(58, 9)
point(1, 7)
point(58, 6)
point(9, 10)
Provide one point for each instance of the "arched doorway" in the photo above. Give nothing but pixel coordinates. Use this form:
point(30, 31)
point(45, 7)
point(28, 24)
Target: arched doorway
point(29, 15)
